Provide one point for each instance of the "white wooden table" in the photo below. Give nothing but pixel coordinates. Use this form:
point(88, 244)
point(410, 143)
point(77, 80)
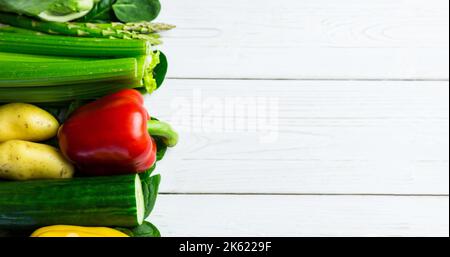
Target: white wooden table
point(306, 118)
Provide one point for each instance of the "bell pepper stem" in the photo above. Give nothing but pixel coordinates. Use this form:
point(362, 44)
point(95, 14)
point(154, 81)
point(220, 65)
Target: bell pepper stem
point(164, 130)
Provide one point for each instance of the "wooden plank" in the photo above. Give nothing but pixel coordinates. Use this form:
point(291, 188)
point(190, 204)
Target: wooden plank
point(201, 215)
point(337, 137)
point(389, 39)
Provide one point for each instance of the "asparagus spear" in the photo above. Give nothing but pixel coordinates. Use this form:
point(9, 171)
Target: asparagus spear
point(7, 28)
point(144, 30)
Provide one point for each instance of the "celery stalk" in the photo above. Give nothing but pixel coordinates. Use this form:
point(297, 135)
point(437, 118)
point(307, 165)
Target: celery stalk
point(37, 74)
point(64, 93)
point(13, 57)
point(72, 46)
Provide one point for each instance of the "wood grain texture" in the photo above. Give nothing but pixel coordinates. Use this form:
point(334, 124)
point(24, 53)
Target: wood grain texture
point(335, 142)
point(312, 39)
point(335, 137)
point(197, 215)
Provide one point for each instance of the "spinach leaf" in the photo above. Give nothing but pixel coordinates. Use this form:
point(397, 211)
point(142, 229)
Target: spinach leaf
point(136, 10)
point(150, 188)
point(147, 229)
point(62, 113)
point(49, 10)
point(161, 147)
point(148, 173)
point(160, 71)
point(102, 12)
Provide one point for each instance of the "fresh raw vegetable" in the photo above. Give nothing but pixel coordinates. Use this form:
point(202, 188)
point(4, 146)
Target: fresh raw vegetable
point(164, 131)
point(143, 30)
point(109, 136)
point(25, 58)
point(36, 71)
point(72, 46)
point(10, 29)
point(150, 187)
point(120, 124)
point(136, 10)
point(101, 13)
point(110, 201)
point(77, 231)
point(147, 229)
point(51, 10)
point(26, 122)
point(85, 10)
point(83, 64)
point(34, 74)
point(123, 10)
point(23, 160)
point(64, 94)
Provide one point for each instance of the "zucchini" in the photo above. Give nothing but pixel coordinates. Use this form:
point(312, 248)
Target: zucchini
point(96, 201)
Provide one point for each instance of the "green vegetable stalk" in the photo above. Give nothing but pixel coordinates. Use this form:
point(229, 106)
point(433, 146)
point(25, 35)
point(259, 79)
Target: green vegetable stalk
point(163, 130)
point(72, 46)
point(38, 74)
point(143, 30)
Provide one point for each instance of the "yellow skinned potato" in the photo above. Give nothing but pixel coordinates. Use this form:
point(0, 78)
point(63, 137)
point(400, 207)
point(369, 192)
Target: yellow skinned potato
point(23, 160)
point(26, 122)
point(76, 231)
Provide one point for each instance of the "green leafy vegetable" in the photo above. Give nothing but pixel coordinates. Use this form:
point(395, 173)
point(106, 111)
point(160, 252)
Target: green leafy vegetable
point(147, 229)
point(150, 187)
point(50, 10)
point(136, 10)
point(160, 71)
point(162, 148)
point(102, 12)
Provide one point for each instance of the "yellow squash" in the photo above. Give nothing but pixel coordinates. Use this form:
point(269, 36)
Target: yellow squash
point(26, 122)
point(23, 160)
point(76, 231)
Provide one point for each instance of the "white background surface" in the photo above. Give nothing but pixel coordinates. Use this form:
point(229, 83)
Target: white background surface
point(350, 135)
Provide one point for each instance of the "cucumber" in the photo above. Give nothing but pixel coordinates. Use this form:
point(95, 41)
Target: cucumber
point(96, 201)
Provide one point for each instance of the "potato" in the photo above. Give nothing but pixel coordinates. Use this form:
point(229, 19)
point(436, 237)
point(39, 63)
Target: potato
point(26, 122)
point(22, 160)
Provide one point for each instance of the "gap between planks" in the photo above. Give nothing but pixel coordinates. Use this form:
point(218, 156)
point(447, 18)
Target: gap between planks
point(315, 79)
point(305, 194)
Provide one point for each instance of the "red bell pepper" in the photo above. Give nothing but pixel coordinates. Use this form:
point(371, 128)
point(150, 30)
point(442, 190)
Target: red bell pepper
point(109, 136)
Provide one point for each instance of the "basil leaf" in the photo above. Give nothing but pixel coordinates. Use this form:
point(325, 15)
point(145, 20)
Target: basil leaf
point(136, 10)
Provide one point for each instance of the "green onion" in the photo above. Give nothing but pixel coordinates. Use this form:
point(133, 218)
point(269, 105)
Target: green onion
point(65, 93)
point(35, 74)
point(72, 46)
